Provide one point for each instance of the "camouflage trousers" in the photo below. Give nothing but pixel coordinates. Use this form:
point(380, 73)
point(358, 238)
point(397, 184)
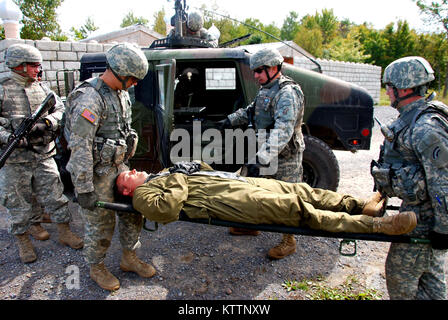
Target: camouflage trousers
point(100, 223)
point(415, 272)
point(23, 186)
point(290, 168)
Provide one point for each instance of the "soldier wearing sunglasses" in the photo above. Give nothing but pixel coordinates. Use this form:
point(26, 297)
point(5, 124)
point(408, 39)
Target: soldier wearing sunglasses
point(278, 106)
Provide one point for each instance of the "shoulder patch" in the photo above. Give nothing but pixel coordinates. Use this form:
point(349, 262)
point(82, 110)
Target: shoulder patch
point(89, 116)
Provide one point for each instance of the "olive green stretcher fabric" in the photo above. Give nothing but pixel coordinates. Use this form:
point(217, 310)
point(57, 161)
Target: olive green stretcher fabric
point(257, 201)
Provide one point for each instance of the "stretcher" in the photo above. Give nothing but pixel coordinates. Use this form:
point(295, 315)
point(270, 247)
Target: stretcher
point(347, 238)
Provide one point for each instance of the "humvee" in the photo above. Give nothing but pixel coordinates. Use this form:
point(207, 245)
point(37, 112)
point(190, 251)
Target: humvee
point(177, 93)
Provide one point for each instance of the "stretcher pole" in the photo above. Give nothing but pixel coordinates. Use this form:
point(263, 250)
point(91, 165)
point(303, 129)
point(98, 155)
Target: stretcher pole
point(124, 207)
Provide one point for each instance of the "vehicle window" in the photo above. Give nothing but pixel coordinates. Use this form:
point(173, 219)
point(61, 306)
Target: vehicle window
point(220, 79)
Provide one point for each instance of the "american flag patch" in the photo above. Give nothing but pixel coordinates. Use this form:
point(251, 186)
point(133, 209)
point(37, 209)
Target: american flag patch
point(89, 116)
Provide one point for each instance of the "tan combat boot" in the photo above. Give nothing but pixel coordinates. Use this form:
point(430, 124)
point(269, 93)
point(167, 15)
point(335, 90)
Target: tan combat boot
point(26, 250)
point(68, 238)
point(396, 224)
point(286, 247)
point(38, 232)
point(374, 207)
point(130, 262)
point(103, 277)
point(46, 218)
point(243, 232)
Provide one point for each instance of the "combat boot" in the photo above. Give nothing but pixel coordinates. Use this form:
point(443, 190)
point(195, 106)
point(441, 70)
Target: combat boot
point(130, 262)
point(68, 238)
point(396, 224)
point(46, 218)
point(103, 277)
point(286, 247)
point(243, 232)
point(38, 232)
point(26, 250)
point(375, 206)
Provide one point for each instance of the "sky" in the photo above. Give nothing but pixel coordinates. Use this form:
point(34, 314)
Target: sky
point(108, 14)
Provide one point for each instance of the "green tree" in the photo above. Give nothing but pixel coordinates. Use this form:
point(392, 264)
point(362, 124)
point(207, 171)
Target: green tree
point(328, 24)
point(437, 14)
point(84, 31)
point(159, 22)
point(346, 49)
point(290, 26)
point(130, 19)
point(311, 40)
point(39, 19)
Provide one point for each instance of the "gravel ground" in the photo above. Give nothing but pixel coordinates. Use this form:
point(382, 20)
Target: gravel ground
point(198, 262)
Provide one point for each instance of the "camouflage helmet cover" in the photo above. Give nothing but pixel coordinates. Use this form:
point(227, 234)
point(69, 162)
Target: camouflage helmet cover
point(266, 57)
point(127, 60)
point(408, 72)
point(195, 21)
point(22, 53)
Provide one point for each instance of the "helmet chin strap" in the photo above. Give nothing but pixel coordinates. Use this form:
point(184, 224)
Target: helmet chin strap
point(399, 99)
point(265, 68)
point(123, 80)
point(24, 72)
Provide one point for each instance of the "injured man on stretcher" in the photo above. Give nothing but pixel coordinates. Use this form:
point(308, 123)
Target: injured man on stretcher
point(201, 192)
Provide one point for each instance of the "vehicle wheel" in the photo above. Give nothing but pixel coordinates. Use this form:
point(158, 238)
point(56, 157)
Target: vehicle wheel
point(320, 166)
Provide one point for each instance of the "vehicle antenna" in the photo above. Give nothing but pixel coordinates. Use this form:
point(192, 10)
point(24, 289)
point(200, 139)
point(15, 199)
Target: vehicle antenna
point(266, 33)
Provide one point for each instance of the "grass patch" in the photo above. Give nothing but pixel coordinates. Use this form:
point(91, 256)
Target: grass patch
point(384, 98)
point(317, 290)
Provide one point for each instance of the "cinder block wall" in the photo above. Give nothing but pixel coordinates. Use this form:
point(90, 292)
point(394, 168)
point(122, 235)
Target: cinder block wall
point(364, 75)
point(57, 56)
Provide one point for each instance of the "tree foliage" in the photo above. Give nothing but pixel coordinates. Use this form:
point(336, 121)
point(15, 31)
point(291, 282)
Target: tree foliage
point(84, 31)
point(130, 19)
point(39, 19)
point(159, 22)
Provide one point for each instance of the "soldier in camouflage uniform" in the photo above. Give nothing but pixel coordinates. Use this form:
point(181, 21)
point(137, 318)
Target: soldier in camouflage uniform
point(413, 166)
point(278, 106)
point(30, 177)
point(101, 140)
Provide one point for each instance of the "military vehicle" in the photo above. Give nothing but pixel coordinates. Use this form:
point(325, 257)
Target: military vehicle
point(177, 94)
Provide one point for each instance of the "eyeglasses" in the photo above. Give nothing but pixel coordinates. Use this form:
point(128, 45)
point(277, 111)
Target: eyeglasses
point(259, 70)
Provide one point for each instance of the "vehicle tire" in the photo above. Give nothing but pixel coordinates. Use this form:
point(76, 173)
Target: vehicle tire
point(320, 166)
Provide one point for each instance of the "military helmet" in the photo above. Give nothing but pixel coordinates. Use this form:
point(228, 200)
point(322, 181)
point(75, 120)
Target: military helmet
point(127, 60)
point(195, 21)
point(22, 53)
point(266, 57)
point(408, 72)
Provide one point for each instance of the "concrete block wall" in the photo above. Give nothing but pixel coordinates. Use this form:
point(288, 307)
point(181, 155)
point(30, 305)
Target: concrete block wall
point(57, 56)
point(364, 75)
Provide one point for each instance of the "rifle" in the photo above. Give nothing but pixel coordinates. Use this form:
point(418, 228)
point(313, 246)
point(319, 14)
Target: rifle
point(25, 127)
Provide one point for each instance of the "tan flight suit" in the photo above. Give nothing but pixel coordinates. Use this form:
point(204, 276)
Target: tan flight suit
point(255, 200)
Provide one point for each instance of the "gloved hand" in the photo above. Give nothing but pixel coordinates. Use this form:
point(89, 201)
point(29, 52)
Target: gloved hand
point(23, 143)
point(131, 142)
point(225, 124)
point(439, 241)
point(253, 170)
point(88, 200)
point(39, 128)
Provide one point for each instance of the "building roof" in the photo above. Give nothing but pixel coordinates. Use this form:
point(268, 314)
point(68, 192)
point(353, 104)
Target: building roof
point(105, 37)
point(283, 47)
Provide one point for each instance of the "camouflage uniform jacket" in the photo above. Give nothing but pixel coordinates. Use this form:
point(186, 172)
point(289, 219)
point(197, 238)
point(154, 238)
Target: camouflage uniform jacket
point(97, 127)
point(20, 98)
point(279, 106)
point(423, 145)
